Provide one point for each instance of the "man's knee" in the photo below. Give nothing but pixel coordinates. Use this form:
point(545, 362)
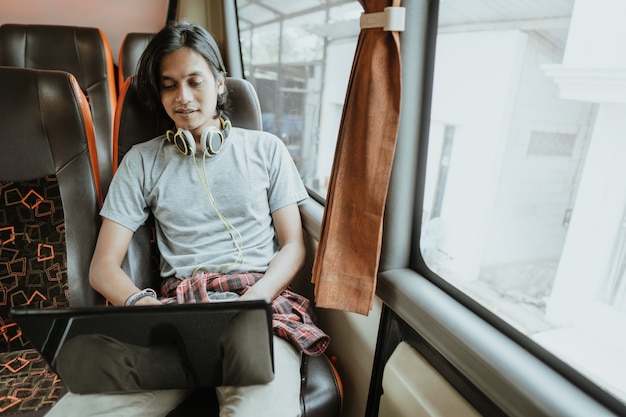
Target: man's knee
point(96, 364)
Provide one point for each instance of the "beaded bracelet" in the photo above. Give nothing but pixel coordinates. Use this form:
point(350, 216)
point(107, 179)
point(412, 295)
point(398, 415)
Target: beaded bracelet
point(148, 292)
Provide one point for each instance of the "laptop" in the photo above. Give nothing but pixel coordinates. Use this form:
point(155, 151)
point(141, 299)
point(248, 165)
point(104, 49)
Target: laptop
point(122, 349)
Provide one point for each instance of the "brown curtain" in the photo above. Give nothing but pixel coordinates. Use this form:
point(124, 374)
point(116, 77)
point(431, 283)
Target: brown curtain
point(347, 258)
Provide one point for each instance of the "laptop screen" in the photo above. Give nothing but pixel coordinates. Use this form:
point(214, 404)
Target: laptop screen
point(122, 349)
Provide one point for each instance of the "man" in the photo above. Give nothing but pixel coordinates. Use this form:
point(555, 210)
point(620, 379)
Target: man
point(225, 201)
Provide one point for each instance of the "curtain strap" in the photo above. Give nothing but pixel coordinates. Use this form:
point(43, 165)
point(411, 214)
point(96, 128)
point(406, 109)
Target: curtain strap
point(391, 19)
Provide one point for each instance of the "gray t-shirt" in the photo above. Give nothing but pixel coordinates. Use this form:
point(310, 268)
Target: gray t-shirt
point(250, 178)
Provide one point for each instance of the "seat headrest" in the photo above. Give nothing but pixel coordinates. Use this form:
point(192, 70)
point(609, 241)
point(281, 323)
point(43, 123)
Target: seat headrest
point(131, 49)
point(245, 109)
point(45, 123)
point(32, 46)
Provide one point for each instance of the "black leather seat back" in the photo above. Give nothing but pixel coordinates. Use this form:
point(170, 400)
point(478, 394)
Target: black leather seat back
point(49, 203)
point(46, 130)
point(81, 51)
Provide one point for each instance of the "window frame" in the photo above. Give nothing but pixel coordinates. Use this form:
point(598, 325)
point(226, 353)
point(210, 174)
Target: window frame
point(517, 374)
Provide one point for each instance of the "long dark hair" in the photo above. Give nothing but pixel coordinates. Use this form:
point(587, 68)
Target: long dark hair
point(173, 36)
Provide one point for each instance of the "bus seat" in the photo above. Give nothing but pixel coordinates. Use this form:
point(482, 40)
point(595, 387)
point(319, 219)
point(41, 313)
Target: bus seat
point(49, 220)
point(81, 51)
point(131, 49)
point(321, 386)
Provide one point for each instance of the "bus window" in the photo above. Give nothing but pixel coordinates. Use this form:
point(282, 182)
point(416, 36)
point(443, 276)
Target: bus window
point(525, 192)
point(298, 55)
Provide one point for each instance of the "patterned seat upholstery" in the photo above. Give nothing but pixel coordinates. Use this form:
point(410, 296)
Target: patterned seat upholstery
point(49, 202)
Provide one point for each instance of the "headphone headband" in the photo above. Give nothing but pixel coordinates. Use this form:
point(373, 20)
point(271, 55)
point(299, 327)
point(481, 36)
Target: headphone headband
point(186, 144)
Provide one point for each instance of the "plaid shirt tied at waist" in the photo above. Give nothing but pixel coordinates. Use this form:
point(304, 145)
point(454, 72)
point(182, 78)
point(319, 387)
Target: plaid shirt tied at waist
point(292, 316)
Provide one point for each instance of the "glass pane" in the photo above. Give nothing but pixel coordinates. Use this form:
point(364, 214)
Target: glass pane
point(525, 196)
point(298, 57)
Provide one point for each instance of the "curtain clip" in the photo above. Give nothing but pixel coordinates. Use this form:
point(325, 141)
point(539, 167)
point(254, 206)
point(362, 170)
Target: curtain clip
point(392, 19)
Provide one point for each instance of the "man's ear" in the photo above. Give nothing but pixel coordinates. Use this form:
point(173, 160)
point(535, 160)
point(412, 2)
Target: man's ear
point(221, 86)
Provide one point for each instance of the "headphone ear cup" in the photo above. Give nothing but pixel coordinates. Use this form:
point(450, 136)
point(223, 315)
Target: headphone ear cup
point(184, 142)
point(211, 140)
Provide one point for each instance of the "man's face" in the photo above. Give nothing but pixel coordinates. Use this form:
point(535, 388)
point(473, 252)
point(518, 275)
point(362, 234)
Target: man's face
point(189, 91)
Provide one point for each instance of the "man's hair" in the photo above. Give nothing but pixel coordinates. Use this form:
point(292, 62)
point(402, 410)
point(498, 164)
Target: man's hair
point(172, 37)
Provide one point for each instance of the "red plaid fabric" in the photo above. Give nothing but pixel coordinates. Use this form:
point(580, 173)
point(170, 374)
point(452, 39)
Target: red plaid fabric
point(292, 316)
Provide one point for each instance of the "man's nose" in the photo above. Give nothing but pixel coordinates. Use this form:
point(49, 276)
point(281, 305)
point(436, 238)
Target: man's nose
point(183, 94)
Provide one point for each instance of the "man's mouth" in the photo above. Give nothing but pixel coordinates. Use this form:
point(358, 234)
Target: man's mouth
point(184, 111)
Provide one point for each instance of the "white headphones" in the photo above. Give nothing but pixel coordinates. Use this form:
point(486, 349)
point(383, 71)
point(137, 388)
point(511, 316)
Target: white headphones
point(211, 139)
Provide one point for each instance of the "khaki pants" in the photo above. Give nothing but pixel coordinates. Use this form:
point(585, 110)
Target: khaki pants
point(279, 398)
